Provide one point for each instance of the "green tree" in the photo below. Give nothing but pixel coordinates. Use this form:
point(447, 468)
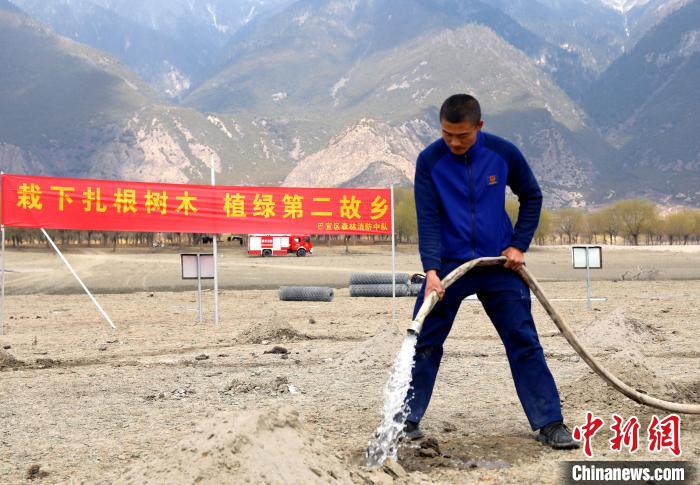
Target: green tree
point(544, 228)
point(636, 217)
point(570, 222)
point(679, 226)
point(595, 224)
point(512, 208)
point(609, 221)
point(405, 215)
point(696, 228)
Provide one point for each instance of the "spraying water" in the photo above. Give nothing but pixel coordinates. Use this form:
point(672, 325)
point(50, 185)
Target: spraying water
point(395, 409)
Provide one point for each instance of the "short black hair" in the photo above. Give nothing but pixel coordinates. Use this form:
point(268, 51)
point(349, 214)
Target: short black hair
point(459, 108)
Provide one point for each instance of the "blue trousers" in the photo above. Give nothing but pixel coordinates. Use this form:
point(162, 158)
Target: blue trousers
point(506, 299)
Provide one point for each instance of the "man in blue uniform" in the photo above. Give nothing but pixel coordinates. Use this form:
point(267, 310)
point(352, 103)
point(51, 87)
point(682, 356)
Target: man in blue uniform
point(460, 191)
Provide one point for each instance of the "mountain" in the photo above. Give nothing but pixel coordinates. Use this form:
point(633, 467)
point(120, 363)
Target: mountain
point(346, 93)
point(589, 29)
point(70, 110)
point(394, 63)
point(169, 43)
point(369, 153)
point(597, 31)
point(645, 15)
point(311, 43)
point(623, 6)
point(647, 105)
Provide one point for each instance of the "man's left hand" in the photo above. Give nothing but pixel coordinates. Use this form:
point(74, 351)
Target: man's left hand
point(515, 258)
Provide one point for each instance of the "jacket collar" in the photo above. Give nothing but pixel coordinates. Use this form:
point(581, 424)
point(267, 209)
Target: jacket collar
point(476, 147)
point(473, 150)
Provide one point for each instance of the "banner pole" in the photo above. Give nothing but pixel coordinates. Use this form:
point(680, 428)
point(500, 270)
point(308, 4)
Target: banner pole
point(2, 296)
point(588, 279)
point(393, 261)
point(215, 238)
point(199, 287)
point(65, 261)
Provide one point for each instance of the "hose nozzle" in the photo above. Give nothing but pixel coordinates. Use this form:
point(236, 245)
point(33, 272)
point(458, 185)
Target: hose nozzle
point(414, 327)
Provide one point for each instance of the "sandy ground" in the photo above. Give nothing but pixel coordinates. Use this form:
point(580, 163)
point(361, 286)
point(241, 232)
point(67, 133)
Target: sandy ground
point(88, 404)
point(33, 271)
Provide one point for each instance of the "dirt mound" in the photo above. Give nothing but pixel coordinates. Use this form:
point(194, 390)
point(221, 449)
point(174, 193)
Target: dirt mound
point(618, 331)
point(8, 361)
point(688, 392)
point(271, 332)
point(270, 446)
point(617, 342)
point(379, 350)
point(279, 384)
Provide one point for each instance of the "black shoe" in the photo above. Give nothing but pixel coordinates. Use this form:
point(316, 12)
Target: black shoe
point(558, 436)
point(412, 431)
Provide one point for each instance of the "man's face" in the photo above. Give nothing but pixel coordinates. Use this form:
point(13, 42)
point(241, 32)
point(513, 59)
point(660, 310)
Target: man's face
point(460, 136)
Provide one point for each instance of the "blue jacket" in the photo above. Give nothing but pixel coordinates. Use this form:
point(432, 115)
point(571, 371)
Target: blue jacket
point(460, 201)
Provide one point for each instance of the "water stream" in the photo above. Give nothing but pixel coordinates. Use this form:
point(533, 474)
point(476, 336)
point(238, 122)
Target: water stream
point(395, 410)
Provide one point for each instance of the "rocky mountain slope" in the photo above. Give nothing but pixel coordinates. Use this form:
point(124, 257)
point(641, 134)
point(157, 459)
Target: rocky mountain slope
point(647, 106)
point(169, 43)
point(340, 63)
point(67, 109)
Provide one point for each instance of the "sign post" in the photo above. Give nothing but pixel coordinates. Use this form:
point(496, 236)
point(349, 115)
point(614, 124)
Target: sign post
point(215, 240)
point(198, 266)
point(588, 257)
point(393, 260)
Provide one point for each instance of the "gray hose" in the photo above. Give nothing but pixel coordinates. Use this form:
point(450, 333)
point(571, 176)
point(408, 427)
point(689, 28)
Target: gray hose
point(414, 289)
point(430, 301)
point(377, 278)
point(378, 290)
point(305, 293)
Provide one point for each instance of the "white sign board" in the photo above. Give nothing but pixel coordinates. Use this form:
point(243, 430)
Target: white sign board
point(189, 266)
point(595, 257)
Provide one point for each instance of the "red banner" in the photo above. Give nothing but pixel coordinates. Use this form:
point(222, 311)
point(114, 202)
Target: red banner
point(107, 205)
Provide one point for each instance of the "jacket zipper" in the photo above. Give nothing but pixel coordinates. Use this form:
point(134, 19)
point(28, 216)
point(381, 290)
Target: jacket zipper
point(472, 202)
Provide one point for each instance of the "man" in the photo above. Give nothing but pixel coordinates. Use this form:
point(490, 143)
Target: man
point(460, 189)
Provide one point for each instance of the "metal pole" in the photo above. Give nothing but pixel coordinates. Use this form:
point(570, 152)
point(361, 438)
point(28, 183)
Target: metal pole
point(65, 261)
point(2, 297)
point(393, 260)
point(199, 288)
point(588, 279)
point(215, 247)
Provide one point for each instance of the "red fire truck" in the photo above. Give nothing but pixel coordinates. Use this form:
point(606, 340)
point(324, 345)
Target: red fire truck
point(279, 245)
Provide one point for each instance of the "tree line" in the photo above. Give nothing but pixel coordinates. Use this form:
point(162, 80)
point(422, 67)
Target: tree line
point(629, 221)
point(17, 237)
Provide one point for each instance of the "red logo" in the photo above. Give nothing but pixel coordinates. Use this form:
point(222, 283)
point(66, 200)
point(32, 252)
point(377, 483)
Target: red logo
point(493, 180)
point(586, 432)
point(626, 434)
point(663, 434)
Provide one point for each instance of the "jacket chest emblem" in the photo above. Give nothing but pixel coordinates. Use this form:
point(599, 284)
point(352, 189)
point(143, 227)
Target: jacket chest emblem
point(493, 180)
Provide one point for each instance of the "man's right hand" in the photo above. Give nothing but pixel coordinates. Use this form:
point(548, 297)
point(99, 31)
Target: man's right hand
point(432, 282)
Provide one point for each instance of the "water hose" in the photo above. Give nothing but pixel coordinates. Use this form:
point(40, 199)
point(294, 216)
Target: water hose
point(431, 300)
